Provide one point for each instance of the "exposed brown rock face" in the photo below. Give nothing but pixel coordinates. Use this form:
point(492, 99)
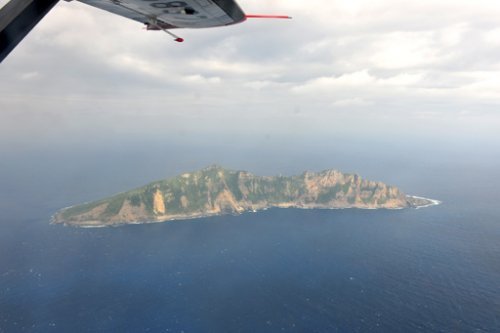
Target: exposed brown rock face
point(215, 190)
point(158, 203)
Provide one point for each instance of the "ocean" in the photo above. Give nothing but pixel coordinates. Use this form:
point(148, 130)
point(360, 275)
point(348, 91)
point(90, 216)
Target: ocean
point(434, 269)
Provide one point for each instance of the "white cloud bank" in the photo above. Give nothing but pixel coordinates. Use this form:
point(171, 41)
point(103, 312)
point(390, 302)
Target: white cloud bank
point(415, 59)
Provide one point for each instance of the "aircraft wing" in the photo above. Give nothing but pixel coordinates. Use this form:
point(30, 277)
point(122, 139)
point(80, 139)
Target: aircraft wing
point(166, 14)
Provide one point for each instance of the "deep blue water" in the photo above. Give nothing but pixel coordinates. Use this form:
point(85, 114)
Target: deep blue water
point(427, 270)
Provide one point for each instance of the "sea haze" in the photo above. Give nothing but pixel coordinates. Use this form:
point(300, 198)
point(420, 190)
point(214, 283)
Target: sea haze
point(434, 269)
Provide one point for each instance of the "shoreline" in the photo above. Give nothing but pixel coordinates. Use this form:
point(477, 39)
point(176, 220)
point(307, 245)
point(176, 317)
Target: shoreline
point(431, 202)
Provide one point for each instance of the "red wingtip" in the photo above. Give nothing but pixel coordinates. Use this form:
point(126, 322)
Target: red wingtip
point(179, 40)
point(268, 16)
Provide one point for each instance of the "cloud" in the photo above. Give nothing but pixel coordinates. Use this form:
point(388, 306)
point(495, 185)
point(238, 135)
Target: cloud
point(201, 79)
point(361, 80)
point(352, 102)
point(30, 75)
point(399, 50)
point(384, 58)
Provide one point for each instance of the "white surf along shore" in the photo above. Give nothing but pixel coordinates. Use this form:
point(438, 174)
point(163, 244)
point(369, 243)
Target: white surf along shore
point(432, 202)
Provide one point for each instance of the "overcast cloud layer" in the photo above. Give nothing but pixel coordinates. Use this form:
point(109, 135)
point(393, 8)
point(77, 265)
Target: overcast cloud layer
point(347, 66)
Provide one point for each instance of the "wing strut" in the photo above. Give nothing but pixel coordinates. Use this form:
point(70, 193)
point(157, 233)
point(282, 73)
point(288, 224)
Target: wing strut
point(17, 18)
point(155, 24)
point(151, 21)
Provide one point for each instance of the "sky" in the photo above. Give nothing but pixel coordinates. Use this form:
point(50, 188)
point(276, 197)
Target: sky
point(413, 70)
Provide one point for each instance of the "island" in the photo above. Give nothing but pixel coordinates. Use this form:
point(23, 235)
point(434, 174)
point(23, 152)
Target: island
point(215, 190)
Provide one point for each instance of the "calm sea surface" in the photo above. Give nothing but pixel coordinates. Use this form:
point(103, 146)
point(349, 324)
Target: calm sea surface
point(426, 270)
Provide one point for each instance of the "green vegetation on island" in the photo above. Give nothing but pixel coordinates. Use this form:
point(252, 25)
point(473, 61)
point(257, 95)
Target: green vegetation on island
point(215, 190)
